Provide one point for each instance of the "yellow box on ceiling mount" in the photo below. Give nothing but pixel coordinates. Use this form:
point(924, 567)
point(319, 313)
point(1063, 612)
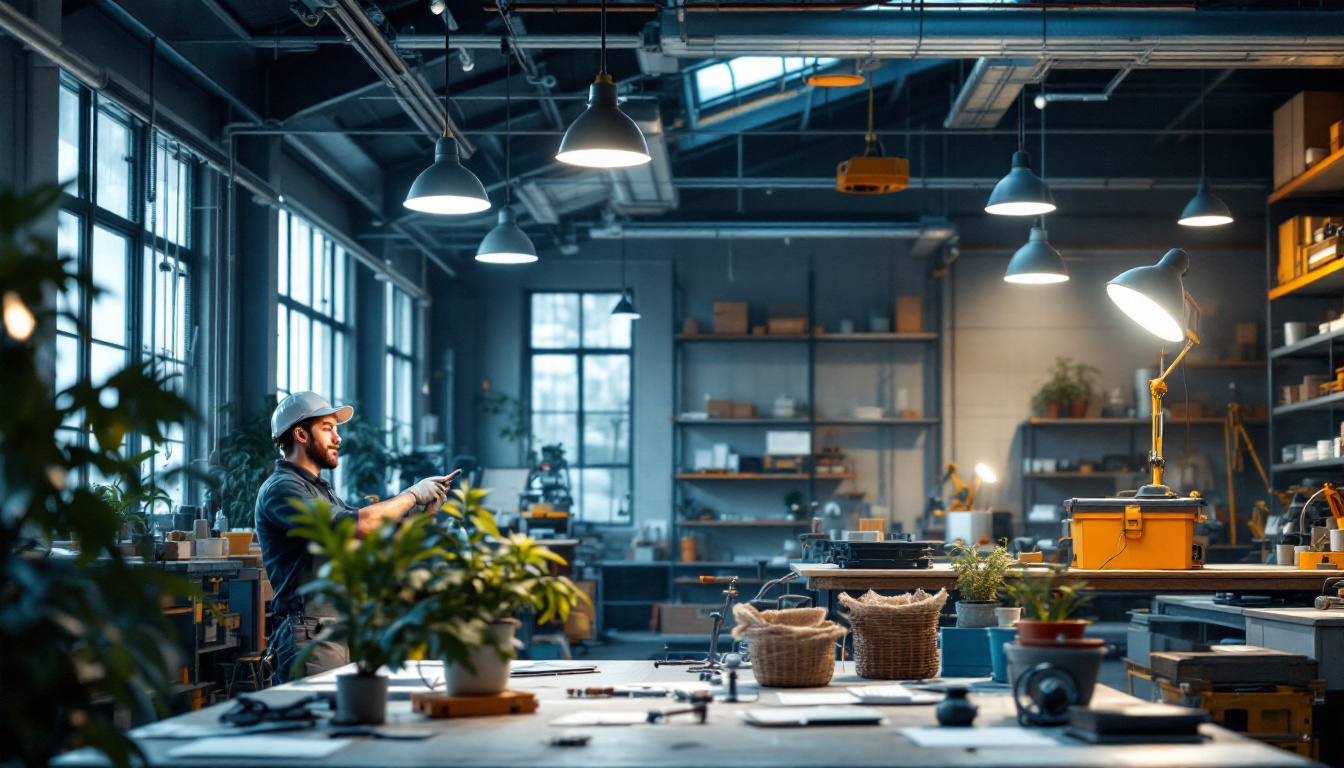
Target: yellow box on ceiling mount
point(1135, 534)
point(867, 175)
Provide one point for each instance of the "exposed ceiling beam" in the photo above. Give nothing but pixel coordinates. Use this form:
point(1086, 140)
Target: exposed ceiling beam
point(303, 43)
point(1126, 183)
point(1185, 112)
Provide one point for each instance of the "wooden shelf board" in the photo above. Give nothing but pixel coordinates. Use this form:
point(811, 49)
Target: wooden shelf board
point(1224, 363)
point(1325, 176)
point(761, 422)
point(884, 422)
point(725, 564)
point(742, 337)
point(1209, 420)
point(1308, 346)
point(1314, 404)
point(922, 336)
point(820, 337)
point(1325, 281)
point(1071, 475)
point(757, 476)
point(839, 422)
point(745, 523)
point(1307, 466)
point(699, 582)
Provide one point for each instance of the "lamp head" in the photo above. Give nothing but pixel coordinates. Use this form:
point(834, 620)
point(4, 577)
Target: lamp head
point(1154, 297)
point(603, 136)
point(1021, 192)
point(446, 187)
point(625, 307)
point(1205, 209)
point(1037, 262)
point(985, 474)
point(507, 243)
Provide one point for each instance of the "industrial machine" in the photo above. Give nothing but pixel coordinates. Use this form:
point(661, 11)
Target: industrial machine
point(545, 501)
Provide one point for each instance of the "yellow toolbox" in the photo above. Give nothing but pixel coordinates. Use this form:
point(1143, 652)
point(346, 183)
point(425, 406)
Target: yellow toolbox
point(1135, 534)
point(1278, 715)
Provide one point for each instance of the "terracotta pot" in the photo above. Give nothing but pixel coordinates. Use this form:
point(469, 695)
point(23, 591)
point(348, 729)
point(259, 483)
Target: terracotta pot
point(361, 699)
point(1052, 410)
point(1078, 409)
point(491, 673)
point(1045, 631)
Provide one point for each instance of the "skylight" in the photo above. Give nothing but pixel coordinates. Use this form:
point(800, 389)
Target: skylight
point(735, 75)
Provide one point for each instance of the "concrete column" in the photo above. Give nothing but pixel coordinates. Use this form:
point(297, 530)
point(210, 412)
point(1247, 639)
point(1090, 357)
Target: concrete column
point(370, 297)
point(256, 283)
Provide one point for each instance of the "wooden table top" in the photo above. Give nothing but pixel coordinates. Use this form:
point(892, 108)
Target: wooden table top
point(1210, 578)
point(524, 740)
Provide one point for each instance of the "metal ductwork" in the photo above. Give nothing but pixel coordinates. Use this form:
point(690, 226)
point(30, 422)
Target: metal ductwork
point(412, 93)
point(547, 199)
point(1112, 183)
point(938, 229)
point(991, 89)
point(1102, 38)
point(647, 189)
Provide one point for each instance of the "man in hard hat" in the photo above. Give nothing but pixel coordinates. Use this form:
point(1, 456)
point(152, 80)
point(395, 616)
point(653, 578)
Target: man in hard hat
point(304, 426)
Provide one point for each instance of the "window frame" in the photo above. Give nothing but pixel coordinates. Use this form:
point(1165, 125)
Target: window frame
point(576, 457)
point(393, 357)
point(339, 365)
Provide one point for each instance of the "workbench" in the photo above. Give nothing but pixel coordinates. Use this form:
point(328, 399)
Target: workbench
point(725, 740)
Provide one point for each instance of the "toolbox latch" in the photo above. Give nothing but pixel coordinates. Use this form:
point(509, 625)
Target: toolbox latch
point(1133, 522)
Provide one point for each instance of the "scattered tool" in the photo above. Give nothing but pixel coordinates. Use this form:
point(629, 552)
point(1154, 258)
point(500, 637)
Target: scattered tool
point(699, 707)
point(733, 662)
point(1043, 695)
point(712, 661)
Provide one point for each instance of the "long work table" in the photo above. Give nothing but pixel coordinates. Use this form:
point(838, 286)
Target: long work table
point(724, 740)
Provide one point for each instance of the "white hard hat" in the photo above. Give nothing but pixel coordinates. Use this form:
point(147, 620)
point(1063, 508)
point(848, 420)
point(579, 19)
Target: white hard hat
point(304, 405)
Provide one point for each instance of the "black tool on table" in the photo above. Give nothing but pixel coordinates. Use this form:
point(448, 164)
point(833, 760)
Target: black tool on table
point(699, 707)
point(711, 663)
point(1043, 695)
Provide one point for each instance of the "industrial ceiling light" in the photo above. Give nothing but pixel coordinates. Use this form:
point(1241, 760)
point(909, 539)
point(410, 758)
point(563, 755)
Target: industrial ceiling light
point(507, 243)
point(1037, 262)
point(625, 308)
point(1021, 192)
point(834, 79)
point(603, 136)
point(446, 187)
point(1205, 209)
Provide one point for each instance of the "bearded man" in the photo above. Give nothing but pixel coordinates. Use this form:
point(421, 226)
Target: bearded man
point(304, 427)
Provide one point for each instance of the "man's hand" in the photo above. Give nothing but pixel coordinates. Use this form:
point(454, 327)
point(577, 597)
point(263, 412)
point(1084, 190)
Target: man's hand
point(433, 490)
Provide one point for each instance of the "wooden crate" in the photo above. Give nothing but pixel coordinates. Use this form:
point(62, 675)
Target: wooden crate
point(506, 703)
point(730, 317)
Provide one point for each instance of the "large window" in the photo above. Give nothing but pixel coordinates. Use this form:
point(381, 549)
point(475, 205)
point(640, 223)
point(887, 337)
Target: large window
point(125, 223)
point(580, 397)
point(400, 328)
point(313, 323)
point(735, 77)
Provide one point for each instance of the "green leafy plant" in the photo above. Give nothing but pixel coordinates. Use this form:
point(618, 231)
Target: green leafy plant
point(487, 577)
point(247, 456)
point(1083, 378)
point(84, 634)
point(980, 577)
point(1060, 387)
point(1042, 594)
point(369, 583)
point(133, 507)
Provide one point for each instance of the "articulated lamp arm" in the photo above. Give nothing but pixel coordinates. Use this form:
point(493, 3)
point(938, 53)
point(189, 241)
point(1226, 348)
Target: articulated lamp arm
point(1157, 388)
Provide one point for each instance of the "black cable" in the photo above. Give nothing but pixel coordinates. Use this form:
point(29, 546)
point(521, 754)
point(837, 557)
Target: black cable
point(447, 71)
point(604, 38)
point(1201, 124)
point(1123, 546)
point(508, 122)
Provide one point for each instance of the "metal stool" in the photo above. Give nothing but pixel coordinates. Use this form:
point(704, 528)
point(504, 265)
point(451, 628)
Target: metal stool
point(259, 668)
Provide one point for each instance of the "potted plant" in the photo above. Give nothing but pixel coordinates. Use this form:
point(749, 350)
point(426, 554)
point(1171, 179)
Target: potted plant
point(370, 585)
point(1051, 398)
point(979, 579)
point(1083, 377)
point(467, 602)
point(133, 507)
point(246, 458)
point(1048, 604)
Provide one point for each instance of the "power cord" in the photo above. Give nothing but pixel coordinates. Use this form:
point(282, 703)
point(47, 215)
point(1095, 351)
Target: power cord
point(1124, 544)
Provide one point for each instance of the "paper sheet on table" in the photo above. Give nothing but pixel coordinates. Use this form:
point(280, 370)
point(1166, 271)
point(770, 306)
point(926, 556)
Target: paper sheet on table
point(815, 699)
point(167, 729)
point(891, 694)
point(550, 667)
point(967, 738)
point(269, 747)
point(802, 716)
point(600, 718)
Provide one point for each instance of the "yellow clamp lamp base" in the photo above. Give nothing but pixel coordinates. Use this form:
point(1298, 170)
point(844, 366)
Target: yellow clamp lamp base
point(1157, 388)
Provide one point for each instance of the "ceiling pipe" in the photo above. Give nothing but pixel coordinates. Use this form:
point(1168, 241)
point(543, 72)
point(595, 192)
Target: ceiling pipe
point(435, 42)
point(969, 182)
point(773, 231)
point(1045, 98)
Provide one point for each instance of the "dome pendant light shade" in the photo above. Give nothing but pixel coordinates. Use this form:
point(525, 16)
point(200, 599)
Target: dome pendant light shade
point(625, 307)
point(446, 187)
point(507, 243)
point(1037, 262)
point(1021, 192)
point(1205, 209)
point(603, 136)
point(1154, 297)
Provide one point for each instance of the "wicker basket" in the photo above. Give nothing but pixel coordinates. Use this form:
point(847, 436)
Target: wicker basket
point(791, 648)
point(895, 638)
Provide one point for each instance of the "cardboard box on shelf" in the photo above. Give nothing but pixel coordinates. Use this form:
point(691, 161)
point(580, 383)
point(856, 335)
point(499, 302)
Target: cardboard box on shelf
point(909, 314)
point(1247, 333)
point(730, 317)
point(786, 326)
point(719, 409)
point(744, 410)
point(688, 618)
point(1303, 122)
point(1334, 137)
point(1314, 228)
point(690, 326)
point(1291, 240)
point(1180, 411)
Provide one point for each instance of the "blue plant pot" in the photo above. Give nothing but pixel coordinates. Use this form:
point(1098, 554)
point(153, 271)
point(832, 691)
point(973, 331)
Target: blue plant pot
point(965, 652)
point(998, 658)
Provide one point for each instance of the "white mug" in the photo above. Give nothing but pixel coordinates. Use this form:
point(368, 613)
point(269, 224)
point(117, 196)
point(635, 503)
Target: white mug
point(1337, 540)
point(1283, 555)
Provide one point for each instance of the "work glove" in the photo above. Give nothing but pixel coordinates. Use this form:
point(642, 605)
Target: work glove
point(431, 490)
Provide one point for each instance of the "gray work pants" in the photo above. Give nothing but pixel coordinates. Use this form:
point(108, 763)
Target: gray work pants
point(298, 631)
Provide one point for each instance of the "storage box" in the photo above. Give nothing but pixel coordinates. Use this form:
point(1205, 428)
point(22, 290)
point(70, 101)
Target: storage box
point(786, 326)
point(719, 409)
point(909, 314)
point(730, 317)
point(1247, 333)
point(1129, 534)
point(1181, 411)
point(744, 410)
point(1303, 122)
point(1335, 144)
point(1291, 239)
point(965, 652)
point(1322, 253)
point(1233, 664)
point(689, 618)
point(690, 327)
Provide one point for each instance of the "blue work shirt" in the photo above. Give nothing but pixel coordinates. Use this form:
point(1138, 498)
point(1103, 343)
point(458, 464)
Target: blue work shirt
point(289, 564)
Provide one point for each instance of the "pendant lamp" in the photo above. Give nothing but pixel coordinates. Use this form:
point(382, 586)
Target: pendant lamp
point(507, 243)
point(1037, 262)
point(625, 308)
point(603, 136)
point(446, 187)
point(1205, 209)
point(1021, 192)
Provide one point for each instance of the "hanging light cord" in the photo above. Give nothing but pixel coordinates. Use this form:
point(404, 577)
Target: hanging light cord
point(870, 138)
point(624, 289)
point(447, 75)
point(1201, 125)
point(604, 37)
point(1021, 120)
point(508, 122)
point(1046, 103)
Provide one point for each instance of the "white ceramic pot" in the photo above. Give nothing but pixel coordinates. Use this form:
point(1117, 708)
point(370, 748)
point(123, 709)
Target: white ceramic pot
point(976, 614)
point(489, 673)
point(1007, 617)
point(361, 699)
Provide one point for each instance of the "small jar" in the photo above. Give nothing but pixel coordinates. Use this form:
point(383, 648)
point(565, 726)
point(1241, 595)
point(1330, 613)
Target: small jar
point(956, 709)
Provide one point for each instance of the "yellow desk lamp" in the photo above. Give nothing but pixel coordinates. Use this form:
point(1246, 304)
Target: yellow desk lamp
point(963, 495)
point(1155, 298)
